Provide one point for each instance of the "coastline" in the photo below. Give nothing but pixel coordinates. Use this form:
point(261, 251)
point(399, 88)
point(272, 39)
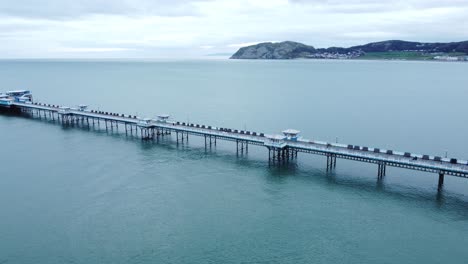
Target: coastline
point(355, 59)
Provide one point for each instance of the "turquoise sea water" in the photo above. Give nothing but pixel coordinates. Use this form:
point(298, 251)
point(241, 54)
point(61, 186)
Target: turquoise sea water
point(73, 195)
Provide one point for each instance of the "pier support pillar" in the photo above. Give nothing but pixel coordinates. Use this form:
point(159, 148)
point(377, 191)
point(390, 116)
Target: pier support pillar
point(279, 155)
point(241, 145)
point(331, 161)
point(441, 179)
point(382, 169)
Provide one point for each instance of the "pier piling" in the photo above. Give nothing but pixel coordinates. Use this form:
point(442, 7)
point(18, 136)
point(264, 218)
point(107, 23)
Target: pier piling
point(441, 180)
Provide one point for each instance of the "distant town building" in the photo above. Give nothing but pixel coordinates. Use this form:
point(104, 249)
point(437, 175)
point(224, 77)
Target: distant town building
point(446, 58)
point(336, 55)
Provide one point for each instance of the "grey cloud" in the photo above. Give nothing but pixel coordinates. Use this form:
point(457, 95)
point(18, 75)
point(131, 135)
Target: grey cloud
point(68, 9)
point(369, 6)
point(14, 27)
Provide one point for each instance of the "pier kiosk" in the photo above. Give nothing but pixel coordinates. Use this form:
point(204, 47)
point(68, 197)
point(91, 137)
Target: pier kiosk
point(144, 122)
point(65, 115)
point(291, 134)
point(5, 100)
point(275, 141)
point(64, 110)
point(146, 128)
point(162, 118)
point(22, 96)
point(160, 131)
point(277, 148)
point(82, 107)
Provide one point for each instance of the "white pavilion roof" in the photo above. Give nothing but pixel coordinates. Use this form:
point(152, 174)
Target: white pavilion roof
point(291, 132)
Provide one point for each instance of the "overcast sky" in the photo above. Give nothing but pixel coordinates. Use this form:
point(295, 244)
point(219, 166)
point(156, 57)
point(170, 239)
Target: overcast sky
point(193, 28)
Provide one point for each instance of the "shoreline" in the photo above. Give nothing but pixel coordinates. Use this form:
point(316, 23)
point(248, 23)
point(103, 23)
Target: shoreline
point(150, 60)
point(357, 59)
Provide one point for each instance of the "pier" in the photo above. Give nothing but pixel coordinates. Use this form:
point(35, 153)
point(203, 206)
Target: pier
point(282, 148)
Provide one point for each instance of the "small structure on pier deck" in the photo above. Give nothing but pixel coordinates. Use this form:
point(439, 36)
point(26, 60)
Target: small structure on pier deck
point(163, 118)
point(275, 141)
point(64, 110)
point(82, 107)
point(21, 96)
point(5, 100)
point(145, 122)
point(291, 134)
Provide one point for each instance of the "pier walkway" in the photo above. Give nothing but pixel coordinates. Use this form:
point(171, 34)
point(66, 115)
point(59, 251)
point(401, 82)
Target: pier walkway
point(281, 148)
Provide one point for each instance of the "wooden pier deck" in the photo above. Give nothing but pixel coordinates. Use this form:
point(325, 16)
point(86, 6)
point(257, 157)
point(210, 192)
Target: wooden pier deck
point(281, 148)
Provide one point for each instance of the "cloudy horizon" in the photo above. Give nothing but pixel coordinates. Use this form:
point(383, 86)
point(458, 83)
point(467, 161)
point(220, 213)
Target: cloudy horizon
point(194, 28)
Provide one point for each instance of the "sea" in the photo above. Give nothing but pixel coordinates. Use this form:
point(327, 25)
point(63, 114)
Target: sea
point(87, 195)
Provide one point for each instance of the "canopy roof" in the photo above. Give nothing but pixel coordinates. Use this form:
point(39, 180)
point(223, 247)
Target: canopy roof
point(291, 132)
point(18, 91)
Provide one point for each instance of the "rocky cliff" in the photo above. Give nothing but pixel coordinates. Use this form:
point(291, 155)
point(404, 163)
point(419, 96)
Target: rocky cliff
point(274, 51)
point(293, 50)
